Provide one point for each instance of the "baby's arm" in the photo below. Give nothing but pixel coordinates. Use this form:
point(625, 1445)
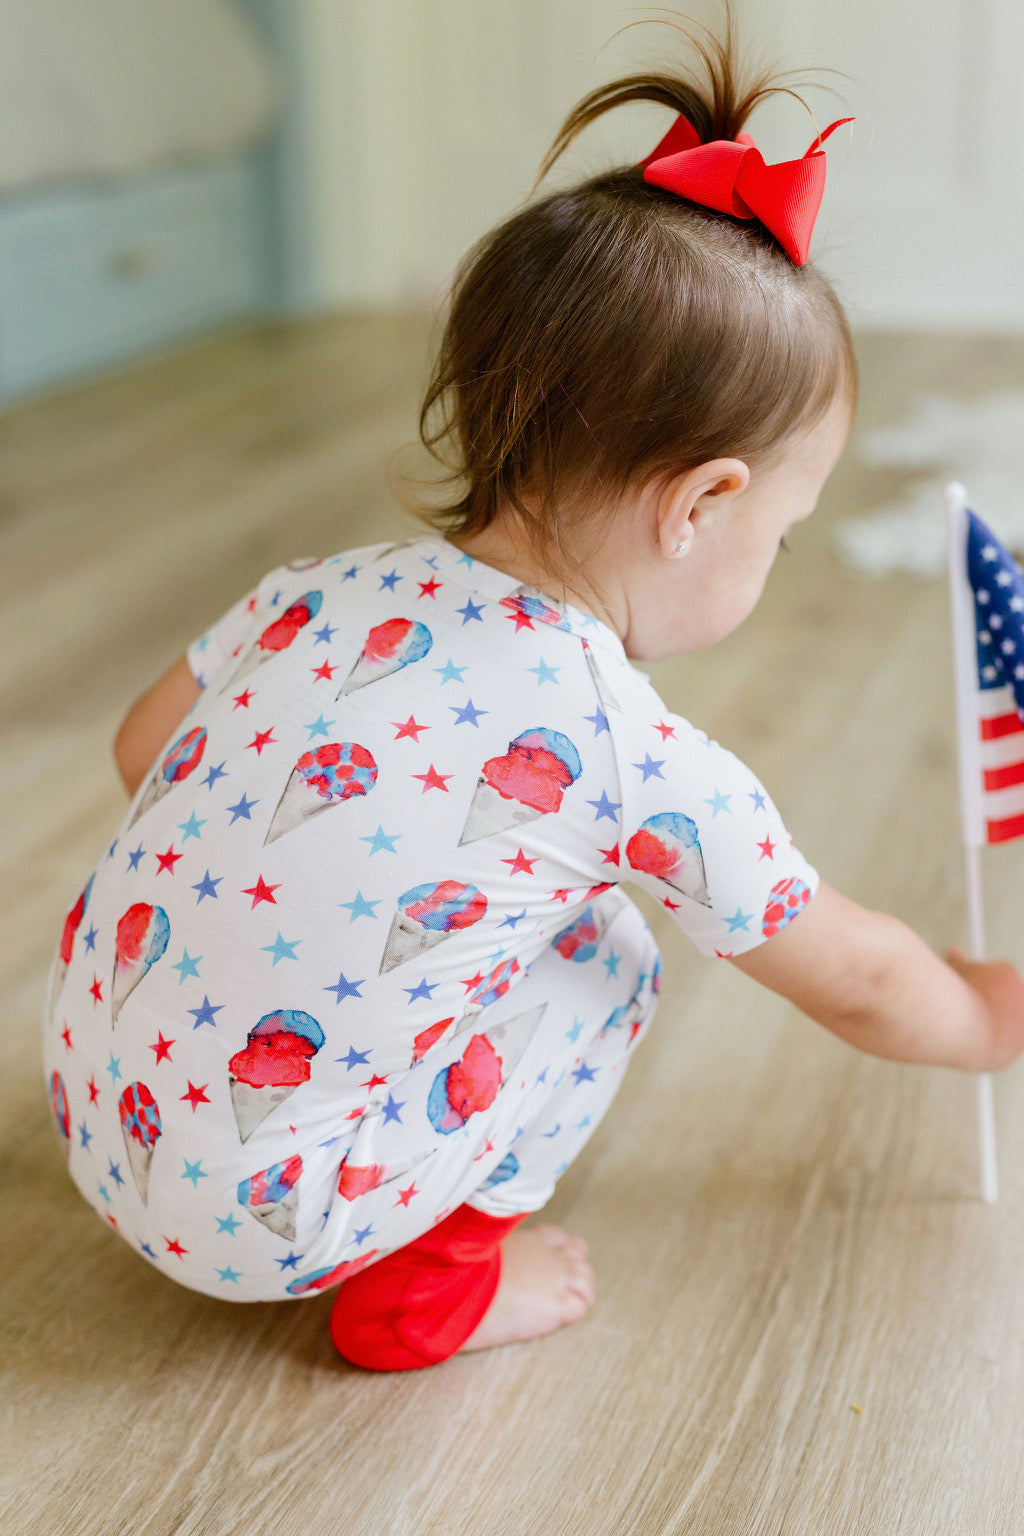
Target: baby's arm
point(151, 720)
point(871, 980)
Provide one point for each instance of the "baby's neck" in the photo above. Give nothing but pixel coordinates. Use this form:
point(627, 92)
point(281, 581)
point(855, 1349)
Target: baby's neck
point(498, 546)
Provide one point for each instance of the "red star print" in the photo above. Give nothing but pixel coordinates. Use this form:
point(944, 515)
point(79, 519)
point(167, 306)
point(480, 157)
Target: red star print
point(433, 780)
point(666, 730)
point(473, 981)
point(195, 1096)
point(610, 855)
point(167, 860)
point(324, 672)
point(96, 989)
point(768, 849)
point(175, 1247)
point(162, 1048)
point(242, 699)
point(521, 620)
point(430, 588)
point(261, 891)
point(65, 1035)
point(521, 865)
point(94, 1093)
point(673, 906)
point(598, 890)
point(488, 1148)
point(410, 728)
point(250, 606)
point(375, 1082)
point(261, 739)
point(562, 894)
point(724, 954)
point(405, 1195)
point(355, 1113)
point(111, 1219)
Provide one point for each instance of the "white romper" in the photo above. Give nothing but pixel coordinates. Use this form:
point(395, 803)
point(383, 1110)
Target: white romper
point(358, 953)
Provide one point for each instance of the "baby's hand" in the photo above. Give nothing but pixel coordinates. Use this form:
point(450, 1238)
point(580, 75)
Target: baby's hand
point(999, 984)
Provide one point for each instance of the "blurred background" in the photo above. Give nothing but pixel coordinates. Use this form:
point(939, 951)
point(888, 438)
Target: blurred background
point(168, 169)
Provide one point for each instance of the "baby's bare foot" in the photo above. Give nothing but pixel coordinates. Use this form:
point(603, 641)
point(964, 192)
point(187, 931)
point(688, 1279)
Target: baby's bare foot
point(546, 1282)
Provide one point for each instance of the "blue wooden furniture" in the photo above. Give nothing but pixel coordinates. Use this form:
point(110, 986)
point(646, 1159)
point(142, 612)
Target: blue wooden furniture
point(96, 272)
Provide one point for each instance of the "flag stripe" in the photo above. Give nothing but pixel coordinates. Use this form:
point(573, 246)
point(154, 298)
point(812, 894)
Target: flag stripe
point(1003, 778)
point(1003, 831)
point(1001, 725)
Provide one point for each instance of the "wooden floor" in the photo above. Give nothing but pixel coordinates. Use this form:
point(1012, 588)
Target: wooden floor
point(807, 1321)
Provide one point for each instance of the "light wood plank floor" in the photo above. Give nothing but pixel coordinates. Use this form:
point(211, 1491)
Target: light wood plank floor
point(781, 1228)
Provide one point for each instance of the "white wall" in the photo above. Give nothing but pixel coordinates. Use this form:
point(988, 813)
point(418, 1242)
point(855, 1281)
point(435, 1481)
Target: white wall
point(428, 118)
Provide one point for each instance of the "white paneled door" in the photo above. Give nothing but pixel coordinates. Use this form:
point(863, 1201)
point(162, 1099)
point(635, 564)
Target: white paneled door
point(428, 120)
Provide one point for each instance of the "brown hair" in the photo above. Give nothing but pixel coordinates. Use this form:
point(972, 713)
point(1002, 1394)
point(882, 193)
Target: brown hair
point(613, 332)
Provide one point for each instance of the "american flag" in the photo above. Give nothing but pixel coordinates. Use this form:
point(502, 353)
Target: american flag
point(997, 583)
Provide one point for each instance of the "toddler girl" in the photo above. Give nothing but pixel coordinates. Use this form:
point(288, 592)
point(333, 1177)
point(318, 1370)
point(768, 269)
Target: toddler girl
point(356, 979)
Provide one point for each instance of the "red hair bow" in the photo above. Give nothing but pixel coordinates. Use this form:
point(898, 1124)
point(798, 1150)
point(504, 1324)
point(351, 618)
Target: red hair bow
point(730, 175)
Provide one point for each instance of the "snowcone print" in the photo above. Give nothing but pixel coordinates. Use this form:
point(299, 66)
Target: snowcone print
point(466, 1087)
point(580, 939)
point(667, 846)
point(337, 771)
point(495, 985)
point(506, 1169)
point(274, 1062)
point(389, 647)
point(528, 782)
point(72, 923)
point(471, 1084)
point(142, 935)
point(787, 898)
point(605, 696)
point(272, 1196)
point(321, 1279)
point(630, 1016)
point(428, 914)
point(277, 636)
point(61, 1111)
point(427, 1038)
point(528, 608)
point(141, 1129)
point(183, 758)
point(354, 1180)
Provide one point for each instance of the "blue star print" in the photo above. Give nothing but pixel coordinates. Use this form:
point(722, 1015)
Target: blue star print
point(467, 713)
point(205, 1013)
point(281, 949)
point(241, 808)
point(345, 988)
point(188, 965)
point(382, 841)
point(719, 803)
point(605, 807)
point(361, 907)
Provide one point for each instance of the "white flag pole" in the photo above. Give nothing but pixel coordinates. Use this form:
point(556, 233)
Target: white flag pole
point(965, 672)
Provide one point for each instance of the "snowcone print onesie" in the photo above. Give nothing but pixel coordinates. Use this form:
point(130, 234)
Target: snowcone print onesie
point(358, 953)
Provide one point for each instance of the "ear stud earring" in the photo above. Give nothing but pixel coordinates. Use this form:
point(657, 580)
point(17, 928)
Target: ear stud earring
point(682, 548)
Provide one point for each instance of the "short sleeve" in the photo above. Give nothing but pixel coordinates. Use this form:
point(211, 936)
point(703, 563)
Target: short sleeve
point(228, 636)
point(704, 837)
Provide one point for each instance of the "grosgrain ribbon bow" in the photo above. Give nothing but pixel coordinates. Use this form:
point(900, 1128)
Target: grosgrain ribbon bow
point(731, 176)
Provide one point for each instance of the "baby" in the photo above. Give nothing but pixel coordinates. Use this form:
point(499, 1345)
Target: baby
point(357, 978)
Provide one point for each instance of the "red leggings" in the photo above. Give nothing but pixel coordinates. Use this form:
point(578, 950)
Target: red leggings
point(419, 1305)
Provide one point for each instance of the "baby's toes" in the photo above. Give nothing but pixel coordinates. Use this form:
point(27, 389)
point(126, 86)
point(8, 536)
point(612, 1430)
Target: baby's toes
point(579, 1279)
point(557, 1237)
